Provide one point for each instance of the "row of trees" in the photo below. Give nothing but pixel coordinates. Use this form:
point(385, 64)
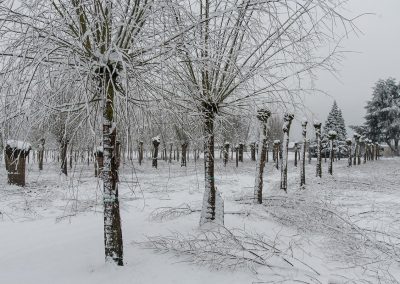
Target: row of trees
point(105, 65)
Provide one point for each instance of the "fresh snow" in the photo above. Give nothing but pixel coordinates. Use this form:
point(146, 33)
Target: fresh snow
point(20, 145)
point(340, 229)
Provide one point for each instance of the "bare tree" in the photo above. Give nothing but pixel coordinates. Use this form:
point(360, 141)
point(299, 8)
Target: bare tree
point(331, 136)
point(238, 43)
point(262, 116)
point(288, 117)
point(348, 143)
point(303, 154)
point(317, 127)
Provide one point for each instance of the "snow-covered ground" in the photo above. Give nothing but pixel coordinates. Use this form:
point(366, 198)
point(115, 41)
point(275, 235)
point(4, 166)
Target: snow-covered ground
point(343, 228)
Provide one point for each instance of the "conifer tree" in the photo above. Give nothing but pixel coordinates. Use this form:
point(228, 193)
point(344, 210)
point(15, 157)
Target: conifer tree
point(335, 122)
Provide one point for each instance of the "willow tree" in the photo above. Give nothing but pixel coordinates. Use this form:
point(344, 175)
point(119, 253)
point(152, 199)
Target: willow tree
point(245, 53)
point(303, 153)
point(287, 121)
point(262, 116)
point(318, 167)
point(102, 41)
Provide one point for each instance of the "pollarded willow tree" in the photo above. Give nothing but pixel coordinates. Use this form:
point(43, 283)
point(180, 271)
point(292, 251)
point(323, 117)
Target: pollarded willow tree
point(245, 53)
point(102, 42)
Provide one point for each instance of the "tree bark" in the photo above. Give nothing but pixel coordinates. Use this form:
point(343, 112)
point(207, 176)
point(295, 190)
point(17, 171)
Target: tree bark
point(140, 152)
point(317, 127)
point(262, 116)
point(303, 156)
point(156, 143)
point(210, 212)
point(170, 153)
point(285, 145)
point(226, 153)
point(63, 156)
point(183, 157)
point(71, 151)
point(241, 152)
point(253, 151)
point(349, 162)
point(41, 153)
point(113, 245)
point(331, 157)
point(237, 155)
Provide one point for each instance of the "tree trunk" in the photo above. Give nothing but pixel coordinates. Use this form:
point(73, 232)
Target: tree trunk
point(170, 153)
point(183, 157)
point(41, 154)
point(237, 155)
point(63, 155)
point(285, 145)
point(241, 150)
point(317, 127)
point(330, 169)
point(296, 151)
point(262, 116)
point(113, 245)
point(303, 156)
point(140, 152)
point(348, 142)
point(277, 149)
point(71, 152)
point(156, 143)
point(253, 151)
point(226, 153)
point(212, 210)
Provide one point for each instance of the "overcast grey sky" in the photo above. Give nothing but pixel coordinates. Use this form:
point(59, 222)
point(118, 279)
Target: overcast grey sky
point(377, 55)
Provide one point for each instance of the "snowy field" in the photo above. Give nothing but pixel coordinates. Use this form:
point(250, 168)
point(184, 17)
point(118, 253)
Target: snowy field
point(343, 228)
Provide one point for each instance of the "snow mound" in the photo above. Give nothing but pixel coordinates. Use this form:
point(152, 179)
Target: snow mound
point(19, 145)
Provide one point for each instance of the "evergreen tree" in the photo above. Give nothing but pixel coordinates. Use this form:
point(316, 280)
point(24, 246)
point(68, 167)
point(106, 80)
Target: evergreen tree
point(383, 112)
point(335, 122)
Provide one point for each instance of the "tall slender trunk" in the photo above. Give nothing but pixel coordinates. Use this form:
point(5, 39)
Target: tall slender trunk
point(140, 152)
point(237, 155)
point(71, 152)
point(184, 156)
point(113, 244)
point(41, 153)
point(170, 153)
point(226, 153)
point(285, 145)
point(253, 151)
point(348, 143)
point(303, 156)
point(212, 210)
point(241, 152)
point(357, 153)
point(296, 152)
point(330, 169)
point(317, 126)
point(63, 156)
point(262, 115)
point(277, 147)
point(156, 144)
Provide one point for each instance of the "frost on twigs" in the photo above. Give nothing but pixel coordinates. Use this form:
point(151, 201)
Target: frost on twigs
point(345, 240)
point(220, 248)
point(170, 213)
